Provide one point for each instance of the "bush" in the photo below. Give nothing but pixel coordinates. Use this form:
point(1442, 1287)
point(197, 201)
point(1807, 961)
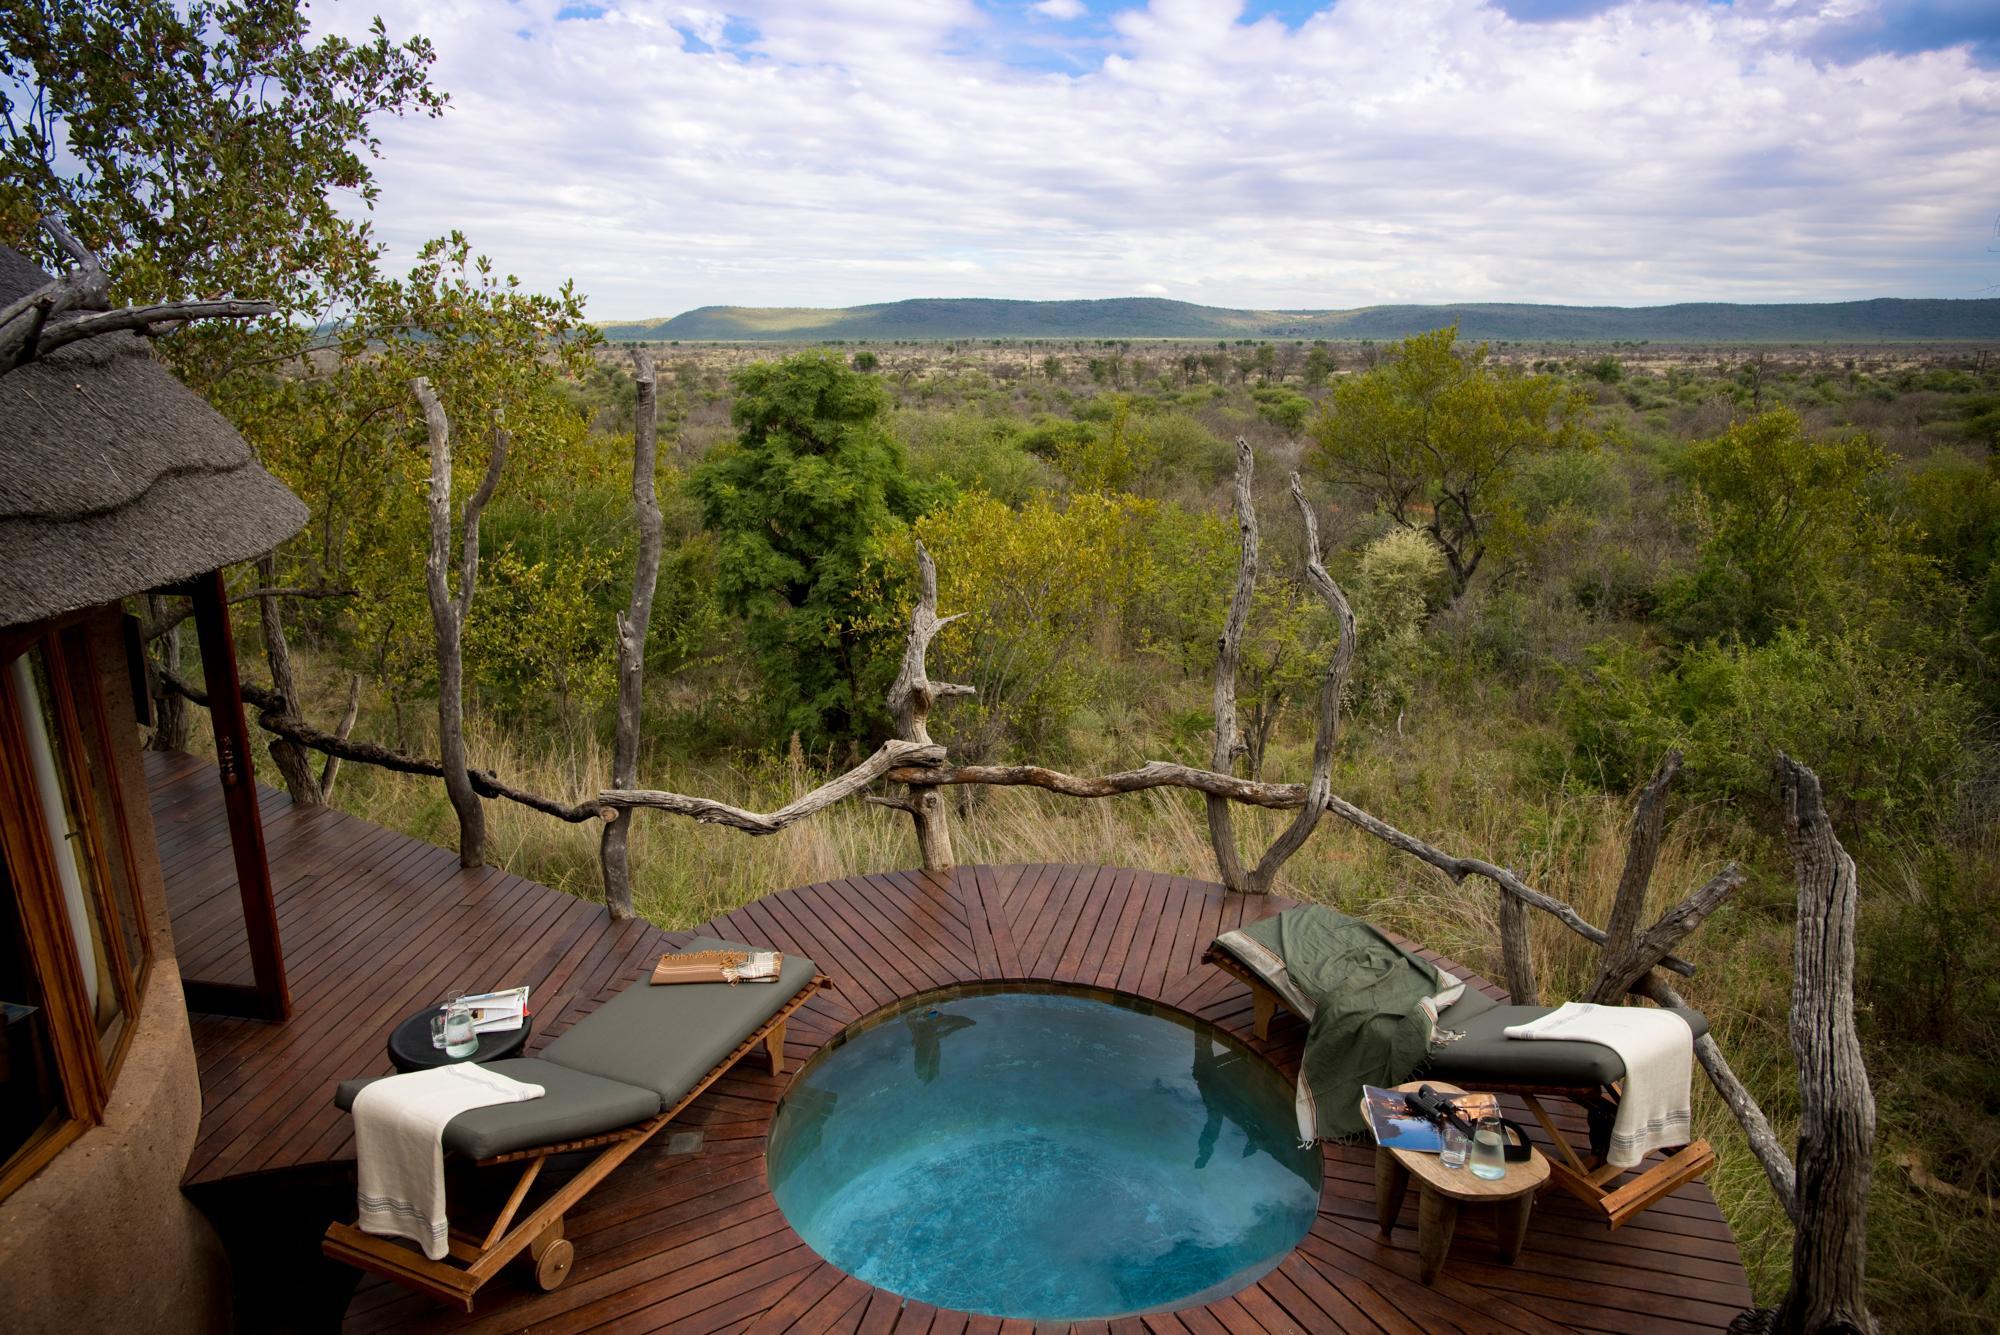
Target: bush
point(1886, 736)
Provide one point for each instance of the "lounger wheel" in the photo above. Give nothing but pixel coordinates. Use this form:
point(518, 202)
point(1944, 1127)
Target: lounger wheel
point(552, 1263)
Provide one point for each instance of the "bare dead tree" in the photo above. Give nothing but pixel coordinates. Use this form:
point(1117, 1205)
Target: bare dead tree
point(448, 612)
point(911, 696)
point(613, 849)
point(1836, 1106)
point(1229, 742)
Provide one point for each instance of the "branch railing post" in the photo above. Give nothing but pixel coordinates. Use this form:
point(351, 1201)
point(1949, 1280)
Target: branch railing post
point(910, 699)
point(1836, 1106)
point(614, 851)
point(448, 613)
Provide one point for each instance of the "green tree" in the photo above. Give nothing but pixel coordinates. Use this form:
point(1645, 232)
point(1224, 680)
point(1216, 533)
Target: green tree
point(1037, 585)
point(796, 501)
point(1433, 435)
point(1790, 531)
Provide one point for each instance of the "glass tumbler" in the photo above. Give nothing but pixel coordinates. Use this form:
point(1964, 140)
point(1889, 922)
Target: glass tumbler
point(1489, 1150)
point(459, 1038)
point(1454, 1146)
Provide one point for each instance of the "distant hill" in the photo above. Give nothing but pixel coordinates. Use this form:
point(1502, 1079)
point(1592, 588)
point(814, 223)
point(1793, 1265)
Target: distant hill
point(1885, 319)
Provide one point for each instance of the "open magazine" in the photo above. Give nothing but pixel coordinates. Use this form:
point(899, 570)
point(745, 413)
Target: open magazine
point(1398, 1126)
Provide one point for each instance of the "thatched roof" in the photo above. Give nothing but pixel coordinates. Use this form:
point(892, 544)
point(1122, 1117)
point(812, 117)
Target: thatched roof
point(115, 478)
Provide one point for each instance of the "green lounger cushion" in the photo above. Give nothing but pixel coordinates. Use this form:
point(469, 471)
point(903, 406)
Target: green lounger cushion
point(1485, 1053)
point(574, 1104)
point(666, 1038)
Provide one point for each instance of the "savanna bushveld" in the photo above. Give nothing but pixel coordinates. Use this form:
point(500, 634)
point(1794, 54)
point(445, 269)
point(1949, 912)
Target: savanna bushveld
point(1564, 561)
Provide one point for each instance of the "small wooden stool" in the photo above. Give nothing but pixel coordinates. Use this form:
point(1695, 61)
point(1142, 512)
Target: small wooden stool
point(1442, 1190)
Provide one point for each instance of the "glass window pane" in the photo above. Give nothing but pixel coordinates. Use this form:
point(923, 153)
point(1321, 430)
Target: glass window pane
point(54, 770)
point(96, 782)
point(31, 1101)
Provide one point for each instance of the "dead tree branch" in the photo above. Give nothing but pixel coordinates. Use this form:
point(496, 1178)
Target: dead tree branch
point(891, 755)
point(272, 717)
point(32, 326)
point(613, 850)
point(911, 696)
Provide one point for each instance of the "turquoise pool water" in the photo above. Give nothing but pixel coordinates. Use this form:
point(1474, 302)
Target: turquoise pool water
point(1043, 1155)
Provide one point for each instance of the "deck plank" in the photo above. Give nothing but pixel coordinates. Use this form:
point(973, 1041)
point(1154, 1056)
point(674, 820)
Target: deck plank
point(376, 924)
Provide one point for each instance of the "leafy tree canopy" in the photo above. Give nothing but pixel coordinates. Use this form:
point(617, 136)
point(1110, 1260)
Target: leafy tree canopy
point(1792, 532)
point(797, 499)
point(204, 149)
point(1433, 436)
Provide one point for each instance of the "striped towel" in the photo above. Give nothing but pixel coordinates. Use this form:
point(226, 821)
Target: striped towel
point(399, 1146)
point(1657, 1047)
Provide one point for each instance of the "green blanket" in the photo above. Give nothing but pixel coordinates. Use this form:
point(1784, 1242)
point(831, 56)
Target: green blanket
point(1369, 1024)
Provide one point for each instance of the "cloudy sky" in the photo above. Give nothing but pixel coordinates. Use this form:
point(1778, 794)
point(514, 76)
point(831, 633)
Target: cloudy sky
point(1268, 153)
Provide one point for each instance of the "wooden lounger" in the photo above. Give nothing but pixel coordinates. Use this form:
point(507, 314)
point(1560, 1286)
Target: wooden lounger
point(632, 1054)
point(1584, 1174)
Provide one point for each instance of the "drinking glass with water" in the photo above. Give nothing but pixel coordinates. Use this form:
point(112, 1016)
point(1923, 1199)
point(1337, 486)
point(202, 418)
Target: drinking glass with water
point(1454, 1144)
point(1489, 1150)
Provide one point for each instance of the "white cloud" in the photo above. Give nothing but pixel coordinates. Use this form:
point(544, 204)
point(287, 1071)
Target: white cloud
point(1060, 10)
point(824, 152)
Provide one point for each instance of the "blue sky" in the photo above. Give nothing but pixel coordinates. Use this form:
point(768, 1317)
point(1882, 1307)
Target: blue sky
point(1268, 153)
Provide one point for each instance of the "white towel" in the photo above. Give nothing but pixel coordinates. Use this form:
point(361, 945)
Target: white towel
point(1657, 1048)
point(399, 1146)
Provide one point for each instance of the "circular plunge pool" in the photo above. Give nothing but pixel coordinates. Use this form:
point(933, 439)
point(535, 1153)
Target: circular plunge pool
point(1045, 1154)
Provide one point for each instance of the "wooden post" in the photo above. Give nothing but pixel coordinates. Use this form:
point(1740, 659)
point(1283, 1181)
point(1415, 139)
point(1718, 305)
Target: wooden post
point(1517, 955)
point(1836, 1107)
point(612, 848)
point(911, 696)
point(271, 998)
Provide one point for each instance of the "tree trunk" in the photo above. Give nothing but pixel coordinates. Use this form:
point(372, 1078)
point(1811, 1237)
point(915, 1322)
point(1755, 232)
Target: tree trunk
point(1836, 1106)
point(1228, 736)
point(291, 757)
point(633, 622)
point(330, 771)
point(172, 727)
point(448, 616)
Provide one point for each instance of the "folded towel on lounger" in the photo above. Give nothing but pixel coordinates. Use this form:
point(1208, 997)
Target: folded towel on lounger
point(399, 1146)
point(1657, 1047)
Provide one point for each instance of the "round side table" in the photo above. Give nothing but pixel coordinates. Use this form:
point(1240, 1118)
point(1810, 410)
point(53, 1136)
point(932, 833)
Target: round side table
point(1441, 1191)
point(410, 1044)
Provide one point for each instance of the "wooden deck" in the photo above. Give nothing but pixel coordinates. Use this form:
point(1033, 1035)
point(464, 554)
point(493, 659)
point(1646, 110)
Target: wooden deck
point(686, 1237)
